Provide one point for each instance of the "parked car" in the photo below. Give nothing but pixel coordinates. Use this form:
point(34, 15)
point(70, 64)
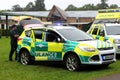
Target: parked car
point(63, 43)
point(27, 21)
point(106, 27)
point(109, 32)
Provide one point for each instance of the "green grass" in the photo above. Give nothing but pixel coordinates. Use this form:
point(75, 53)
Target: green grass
point(16, 71)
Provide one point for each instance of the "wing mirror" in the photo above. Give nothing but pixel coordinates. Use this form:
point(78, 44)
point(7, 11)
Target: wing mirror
point(58, 40)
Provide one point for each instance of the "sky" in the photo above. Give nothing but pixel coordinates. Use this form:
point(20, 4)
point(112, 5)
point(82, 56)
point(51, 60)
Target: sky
point(7, 4)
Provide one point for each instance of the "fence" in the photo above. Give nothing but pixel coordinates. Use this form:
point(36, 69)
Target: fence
point(4, 33)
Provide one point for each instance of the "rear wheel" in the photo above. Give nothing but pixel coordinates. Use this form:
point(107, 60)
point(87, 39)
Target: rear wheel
point(72, 62)
point(25, 57)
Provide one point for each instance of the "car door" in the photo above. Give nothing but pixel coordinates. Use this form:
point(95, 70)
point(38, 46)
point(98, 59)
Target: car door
point(40, 45)
point(98, 32)
point(47, 46)
point(55, 45)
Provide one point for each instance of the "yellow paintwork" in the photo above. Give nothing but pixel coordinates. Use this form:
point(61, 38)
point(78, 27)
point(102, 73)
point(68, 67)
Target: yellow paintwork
point(38, 58)
point(112, 15)
point(55, 47)
point(100, 37)
point(83, 53)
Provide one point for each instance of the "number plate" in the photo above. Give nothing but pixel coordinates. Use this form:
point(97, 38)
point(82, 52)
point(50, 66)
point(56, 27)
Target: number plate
point(108, 57)
point(118, 47)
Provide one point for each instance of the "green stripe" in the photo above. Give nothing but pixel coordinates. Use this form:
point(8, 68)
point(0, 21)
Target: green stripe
point(84, 58)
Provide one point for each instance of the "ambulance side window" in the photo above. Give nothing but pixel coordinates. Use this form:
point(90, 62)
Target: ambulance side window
point(28, 33)
point(38, 34)
point(52, 36)
point(101, 32)
point(95, 30)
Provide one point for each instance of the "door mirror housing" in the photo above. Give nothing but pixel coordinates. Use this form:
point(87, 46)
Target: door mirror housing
point(102, 34)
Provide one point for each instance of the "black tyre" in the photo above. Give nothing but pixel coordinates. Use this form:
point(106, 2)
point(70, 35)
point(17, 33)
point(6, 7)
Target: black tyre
point(104, 65)
point(72, 62)
point(25, 57)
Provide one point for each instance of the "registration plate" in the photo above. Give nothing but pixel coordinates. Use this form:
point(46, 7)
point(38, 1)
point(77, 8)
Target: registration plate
point(108, 57)
point(118, 47)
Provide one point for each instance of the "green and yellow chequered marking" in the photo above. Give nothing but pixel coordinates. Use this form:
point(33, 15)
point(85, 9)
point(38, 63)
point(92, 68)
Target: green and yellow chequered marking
point(103, 38)
point(96, 36)
point(84, 56)
point(55, 47)
point(55, 51)
point(51, 47)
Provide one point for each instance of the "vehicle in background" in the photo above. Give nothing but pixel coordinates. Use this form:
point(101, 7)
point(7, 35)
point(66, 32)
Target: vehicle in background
point(107, 16)
point(108, 32)
point(84, 26)
point(27, 21)
point(106, 27)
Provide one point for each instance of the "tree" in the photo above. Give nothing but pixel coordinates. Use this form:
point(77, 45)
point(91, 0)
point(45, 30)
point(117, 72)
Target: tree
point(17, 8)
point(39, 5)
point(102, 5)
point(71, 8)
point(113, 6)
point(30, 7)
point(89, 7)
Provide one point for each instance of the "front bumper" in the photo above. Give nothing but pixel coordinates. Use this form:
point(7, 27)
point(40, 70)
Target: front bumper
point(117, 47)
point(104, 57)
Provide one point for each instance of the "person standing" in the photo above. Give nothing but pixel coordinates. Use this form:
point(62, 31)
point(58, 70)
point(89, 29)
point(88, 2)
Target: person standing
point(13, 42)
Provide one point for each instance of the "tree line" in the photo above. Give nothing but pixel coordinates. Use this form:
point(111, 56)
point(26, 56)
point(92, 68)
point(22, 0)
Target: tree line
point(102, 5)
point(39, 5)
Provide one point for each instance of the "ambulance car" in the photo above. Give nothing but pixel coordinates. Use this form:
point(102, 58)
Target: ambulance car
point(63, 43)
point(106, 27)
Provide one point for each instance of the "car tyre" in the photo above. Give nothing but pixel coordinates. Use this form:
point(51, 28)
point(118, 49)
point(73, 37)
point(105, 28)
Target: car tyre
point(72, 62)
point(104, 65)
point(25, 57)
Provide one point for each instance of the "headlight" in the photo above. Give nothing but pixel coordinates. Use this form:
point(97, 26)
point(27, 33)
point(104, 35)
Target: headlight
point(87, 49)
point(117, 41)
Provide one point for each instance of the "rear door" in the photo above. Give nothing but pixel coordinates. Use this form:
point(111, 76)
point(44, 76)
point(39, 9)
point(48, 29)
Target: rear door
point(47, 46)
point(40, 44)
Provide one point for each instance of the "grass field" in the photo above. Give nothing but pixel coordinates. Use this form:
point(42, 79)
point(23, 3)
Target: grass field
point(15, 71)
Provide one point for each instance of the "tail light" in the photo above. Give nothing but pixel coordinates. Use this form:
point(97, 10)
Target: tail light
point(19, 39)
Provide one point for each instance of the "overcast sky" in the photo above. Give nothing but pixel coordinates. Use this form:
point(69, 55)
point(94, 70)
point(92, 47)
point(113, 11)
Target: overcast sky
point(7, 4)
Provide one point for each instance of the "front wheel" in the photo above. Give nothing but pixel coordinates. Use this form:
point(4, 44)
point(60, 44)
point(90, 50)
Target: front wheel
point(104, 65)
point(72, 62)
point(25, 57)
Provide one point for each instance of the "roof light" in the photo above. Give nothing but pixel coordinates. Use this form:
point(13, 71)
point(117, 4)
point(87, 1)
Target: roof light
point(58, 24)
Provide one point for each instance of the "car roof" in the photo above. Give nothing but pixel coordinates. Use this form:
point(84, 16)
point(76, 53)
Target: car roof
point(106, 24)
point(52, 27)
point(60, 27)
point(112, 24)
point(33, 26)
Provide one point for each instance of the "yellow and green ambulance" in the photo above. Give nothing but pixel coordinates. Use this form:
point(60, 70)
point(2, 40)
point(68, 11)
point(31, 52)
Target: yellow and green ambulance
point(106, 27)
point(63, 43)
